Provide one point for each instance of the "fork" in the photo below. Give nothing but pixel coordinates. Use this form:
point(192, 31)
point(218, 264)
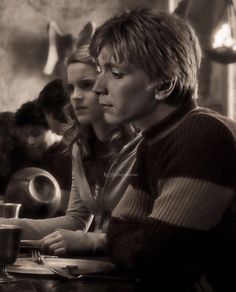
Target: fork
point(37, 257)
point(66, 273)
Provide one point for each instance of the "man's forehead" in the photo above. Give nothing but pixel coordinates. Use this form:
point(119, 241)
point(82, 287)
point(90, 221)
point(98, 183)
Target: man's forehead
point(107, 56)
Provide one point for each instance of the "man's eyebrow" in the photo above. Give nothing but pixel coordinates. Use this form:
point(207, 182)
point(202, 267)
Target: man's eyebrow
point(109, 65)
point(86, 79)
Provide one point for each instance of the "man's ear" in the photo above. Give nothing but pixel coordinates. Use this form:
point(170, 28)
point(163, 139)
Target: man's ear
point(165, 89)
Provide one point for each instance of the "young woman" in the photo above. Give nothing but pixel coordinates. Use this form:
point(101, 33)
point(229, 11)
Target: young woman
point(101, 167)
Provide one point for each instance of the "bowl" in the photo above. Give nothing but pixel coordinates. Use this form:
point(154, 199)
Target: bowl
point(37, 190)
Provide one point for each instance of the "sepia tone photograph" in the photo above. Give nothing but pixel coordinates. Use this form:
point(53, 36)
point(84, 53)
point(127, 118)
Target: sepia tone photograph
point(117, 139)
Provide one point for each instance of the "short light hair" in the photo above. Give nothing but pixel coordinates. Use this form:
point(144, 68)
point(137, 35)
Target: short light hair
point(162, 44)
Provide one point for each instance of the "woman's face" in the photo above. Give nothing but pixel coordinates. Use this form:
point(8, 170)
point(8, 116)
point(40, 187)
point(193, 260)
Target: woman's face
point(81, 78)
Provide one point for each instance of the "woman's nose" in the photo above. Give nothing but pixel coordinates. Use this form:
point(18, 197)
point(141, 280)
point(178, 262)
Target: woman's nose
point(76, 95)
point(99, 87)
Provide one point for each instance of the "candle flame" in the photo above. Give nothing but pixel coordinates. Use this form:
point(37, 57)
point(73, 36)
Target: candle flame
point(223, 38)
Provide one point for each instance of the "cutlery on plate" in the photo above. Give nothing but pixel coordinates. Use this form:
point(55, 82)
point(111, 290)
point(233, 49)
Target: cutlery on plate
point(37, 257)
point(66, 274)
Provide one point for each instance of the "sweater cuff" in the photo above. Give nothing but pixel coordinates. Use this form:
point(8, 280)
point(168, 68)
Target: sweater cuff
point(98, 241)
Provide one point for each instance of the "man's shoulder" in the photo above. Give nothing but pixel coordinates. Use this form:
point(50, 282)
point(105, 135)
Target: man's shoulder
point(205, 121)
point(199, 125)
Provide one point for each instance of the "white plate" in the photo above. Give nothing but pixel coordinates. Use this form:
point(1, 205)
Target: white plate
point(27, 266)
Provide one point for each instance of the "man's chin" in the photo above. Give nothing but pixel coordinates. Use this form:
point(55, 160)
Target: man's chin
point(112, 119)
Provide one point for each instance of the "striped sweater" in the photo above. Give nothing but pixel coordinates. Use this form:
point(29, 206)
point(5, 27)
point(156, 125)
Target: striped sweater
point(177, 219)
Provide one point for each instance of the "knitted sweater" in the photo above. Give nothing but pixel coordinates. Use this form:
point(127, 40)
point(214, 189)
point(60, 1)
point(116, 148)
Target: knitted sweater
point(176, 218)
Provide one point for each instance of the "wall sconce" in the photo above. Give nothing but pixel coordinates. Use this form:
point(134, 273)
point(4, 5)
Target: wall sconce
point(223, 49)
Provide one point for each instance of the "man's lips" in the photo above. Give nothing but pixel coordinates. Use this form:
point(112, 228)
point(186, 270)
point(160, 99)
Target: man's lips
point(105, 104)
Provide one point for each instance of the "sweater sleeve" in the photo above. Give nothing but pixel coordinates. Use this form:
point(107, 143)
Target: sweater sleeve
point(193, 192)
point(77, 217)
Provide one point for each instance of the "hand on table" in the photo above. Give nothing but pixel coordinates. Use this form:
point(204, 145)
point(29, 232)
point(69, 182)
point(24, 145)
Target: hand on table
point(63, 242)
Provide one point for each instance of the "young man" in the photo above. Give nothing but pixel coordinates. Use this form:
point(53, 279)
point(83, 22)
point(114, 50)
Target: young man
point(52, 100)
point(175, 222)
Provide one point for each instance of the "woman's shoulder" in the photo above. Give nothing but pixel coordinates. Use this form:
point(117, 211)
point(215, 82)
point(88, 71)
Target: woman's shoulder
point(123, 136)
point(75, 148)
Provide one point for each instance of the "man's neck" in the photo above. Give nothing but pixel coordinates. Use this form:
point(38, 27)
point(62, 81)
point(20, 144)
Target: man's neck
point(161, 111)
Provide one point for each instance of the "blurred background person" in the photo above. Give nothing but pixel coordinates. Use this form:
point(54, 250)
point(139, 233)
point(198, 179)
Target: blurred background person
point(33, 135)
point(52, 100)
point(37, 146)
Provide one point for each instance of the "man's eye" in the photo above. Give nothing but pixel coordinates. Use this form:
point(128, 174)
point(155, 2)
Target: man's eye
point(86, 84)
point(116, 74)
point(99, 70)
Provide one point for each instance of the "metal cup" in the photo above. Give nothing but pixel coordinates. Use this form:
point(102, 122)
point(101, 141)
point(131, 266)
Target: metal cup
point(9, 210)
point(10, 236)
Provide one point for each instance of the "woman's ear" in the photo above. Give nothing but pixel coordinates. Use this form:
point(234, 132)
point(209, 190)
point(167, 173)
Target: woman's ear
point(165, 89)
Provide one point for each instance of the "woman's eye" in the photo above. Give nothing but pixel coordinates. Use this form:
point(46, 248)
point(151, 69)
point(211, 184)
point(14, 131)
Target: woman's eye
point(69, 88)
point(86, 84)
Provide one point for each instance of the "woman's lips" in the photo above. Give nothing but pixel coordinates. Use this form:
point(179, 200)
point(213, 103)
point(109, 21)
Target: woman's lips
point(80, 108)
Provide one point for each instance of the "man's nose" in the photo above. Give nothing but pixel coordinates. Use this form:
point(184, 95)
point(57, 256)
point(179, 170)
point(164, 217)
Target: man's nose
point(99, 87)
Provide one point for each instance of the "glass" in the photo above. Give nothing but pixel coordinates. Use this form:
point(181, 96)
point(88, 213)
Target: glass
point(10, 236)
point(9, 210)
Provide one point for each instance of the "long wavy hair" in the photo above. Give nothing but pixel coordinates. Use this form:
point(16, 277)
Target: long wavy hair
point(75, 132)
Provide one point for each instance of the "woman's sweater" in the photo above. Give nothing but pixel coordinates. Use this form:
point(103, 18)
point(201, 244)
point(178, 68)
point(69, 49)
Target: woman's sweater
point(84, 203)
